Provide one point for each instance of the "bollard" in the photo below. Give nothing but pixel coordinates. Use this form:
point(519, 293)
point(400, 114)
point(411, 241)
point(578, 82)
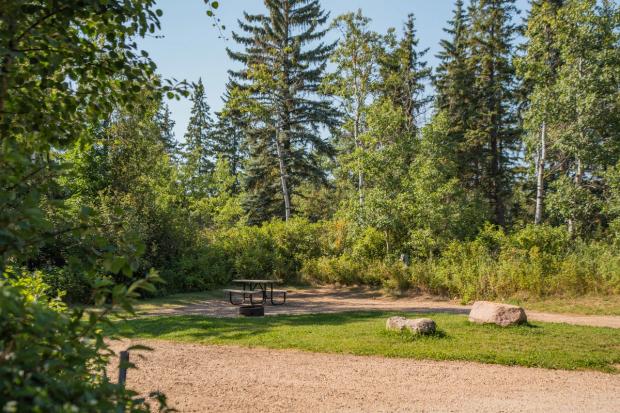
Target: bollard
point(122, 367)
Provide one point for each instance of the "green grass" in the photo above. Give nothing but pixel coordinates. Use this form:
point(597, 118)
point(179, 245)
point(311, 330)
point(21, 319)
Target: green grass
point(587, 305)
point(556, 346)
point(176, 300)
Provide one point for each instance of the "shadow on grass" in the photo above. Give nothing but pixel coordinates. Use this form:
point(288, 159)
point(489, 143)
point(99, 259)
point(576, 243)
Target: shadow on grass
point(407, 336)
point(204, 328)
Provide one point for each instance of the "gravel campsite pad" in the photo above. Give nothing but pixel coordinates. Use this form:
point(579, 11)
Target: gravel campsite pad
point(198, 378)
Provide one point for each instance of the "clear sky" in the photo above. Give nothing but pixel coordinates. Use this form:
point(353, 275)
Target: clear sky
point(188, 47)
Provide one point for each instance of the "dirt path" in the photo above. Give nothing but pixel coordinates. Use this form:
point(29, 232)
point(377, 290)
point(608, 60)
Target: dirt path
point(329, 300)
point(200, 378)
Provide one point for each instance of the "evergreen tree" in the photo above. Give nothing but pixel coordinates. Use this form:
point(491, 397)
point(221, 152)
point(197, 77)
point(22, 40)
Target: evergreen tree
point(163, 118)
point(283, 71)
point(229, 135)
point(404, 74)
point(199, 140)
point(454, 88)
point(492, 134)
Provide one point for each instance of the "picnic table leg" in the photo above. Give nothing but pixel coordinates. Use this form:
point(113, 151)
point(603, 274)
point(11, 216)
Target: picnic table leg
point(231, 299)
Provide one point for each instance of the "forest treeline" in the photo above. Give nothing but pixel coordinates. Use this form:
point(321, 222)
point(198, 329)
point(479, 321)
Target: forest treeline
point(494, 174)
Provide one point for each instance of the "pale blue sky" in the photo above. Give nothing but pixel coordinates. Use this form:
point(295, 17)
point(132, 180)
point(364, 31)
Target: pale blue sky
point(190, 47)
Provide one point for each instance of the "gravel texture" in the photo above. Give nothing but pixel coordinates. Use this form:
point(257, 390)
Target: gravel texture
point(199, 378)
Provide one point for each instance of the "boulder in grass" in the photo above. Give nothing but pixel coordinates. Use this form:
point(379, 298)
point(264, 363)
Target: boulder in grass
point(486, 312)
point(415, 326)
point(396, 323)
point(421, 326)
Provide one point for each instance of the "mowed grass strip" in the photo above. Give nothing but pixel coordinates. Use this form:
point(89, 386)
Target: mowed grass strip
point(587, 305)
point(555, 346)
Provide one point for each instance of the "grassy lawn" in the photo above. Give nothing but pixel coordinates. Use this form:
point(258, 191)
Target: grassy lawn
point(177, 300)
point(556, 346)
point(588, 305)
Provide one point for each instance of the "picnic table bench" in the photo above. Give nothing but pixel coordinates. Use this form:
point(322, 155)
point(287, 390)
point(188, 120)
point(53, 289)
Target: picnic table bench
point(256, 288)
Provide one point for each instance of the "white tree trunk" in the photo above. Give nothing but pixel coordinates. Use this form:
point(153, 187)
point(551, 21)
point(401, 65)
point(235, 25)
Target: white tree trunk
point(578, 180)
point(283, 179)
point(540, 176)
point(360, 173)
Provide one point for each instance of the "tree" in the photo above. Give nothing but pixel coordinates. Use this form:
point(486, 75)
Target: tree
point(163, 117)
point(353, 82)
point(587, 95)
point(64, 67)
point(454, 80)
point(492, 134)
point(283, 73)
point(230, 135)
point(199, 140)
point(404, 74)
point(539, 68)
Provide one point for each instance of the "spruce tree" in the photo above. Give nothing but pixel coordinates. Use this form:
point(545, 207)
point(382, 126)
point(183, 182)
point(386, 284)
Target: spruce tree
point(492, 133)
point(229, 134)
point(164, 120)
point(453, 83)
point(199, 144)
point(404, 74)
point(452, 78)
point(282, 72)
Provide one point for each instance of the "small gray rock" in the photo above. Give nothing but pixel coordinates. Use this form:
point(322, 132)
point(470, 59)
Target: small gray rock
point(421, 326)
point(415, 326)
point(396, 323)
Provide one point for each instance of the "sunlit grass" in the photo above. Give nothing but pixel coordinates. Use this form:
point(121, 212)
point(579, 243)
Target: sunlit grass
point(557, 346)
point(587, 305)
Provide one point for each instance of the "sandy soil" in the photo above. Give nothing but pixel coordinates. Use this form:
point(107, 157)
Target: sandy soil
point(200, 378)
point(329, 300)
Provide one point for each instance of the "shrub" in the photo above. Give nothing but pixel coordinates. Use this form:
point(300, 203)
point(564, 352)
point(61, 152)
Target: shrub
point(55, 360)
point(338, 270)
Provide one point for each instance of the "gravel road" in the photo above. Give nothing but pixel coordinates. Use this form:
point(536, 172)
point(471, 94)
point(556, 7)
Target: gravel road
point(199, 378)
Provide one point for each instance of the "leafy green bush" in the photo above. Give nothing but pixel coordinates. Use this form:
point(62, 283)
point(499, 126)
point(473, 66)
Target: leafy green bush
point(54, 360)
point(73, 285)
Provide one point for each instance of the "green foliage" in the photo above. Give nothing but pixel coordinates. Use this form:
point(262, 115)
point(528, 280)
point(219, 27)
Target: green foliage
point(283, 59)
point(55, 360)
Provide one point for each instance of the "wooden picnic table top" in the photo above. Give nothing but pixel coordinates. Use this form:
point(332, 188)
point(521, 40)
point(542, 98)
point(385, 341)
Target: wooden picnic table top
point(245, 281)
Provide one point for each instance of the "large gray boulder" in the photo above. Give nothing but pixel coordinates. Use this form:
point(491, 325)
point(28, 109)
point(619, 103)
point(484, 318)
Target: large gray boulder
point(486, 312)
point(416, 326)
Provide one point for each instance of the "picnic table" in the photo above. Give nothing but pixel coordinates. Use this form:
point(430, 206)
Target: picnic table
point(256, 288)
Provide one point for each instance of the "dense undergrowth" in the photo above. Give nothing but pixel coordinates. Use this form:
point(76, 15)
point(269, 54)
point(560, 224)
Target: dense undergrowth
point(533, 262)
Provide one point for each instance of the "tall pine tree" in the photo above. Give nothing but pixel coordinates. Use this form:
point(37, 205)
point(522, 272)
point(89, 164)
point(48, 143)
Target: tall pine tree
point(199, 140)
point(492, 133)
point(404, 75)
point(453, 82)
point(229, 134)
point(282, 72)
point(163, 118)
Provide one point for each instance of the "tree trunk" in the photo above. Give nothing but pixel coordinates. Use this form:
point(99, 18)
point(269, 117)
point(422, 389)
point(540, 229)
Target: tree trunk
point(496, 180)
point(540, 179)
point(360, 173)
point(578, 179)
point(283, 179)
